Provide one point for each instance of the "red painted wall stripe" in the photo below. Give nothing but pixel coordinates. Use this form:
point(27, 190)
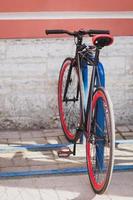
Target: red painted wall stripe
point(36, 28)
point(67, 5)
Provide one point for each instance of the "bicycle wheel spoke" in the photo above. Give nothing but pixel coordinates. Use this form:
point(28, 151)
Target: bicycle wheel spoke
point(69, 104)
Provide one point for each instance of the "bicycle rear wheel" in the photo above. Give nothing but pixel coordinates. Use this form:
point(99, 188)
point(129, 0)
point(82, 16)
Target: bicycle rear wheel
point(69, 99)
point(100, 141)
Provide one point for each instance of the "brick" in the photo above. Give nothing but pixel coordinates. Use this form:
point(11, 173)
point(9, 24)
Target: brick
point(121, 47)
point(27, 49)
point(2, 50)
point(114, 65)
point(58, 49)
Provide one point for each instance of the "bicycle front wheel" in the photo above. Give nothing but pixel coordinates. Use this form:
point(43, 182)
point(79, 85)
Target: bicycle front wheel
point(100, 141)
point(69, 99)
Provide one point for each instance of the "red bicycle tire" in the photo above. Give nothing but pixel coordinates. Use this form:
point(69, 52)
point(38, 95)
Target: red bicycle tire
point(101, 187)
point(69, 135)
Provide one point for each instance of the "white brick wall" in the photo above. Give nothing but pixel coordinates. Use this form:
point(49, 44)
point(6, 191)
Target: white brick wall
point(29, 75)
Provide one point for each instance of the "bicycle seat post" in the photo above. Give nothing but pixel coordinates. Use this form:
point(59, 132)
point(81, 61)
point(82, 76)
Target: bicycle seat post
point(79, 39)
point(97, 56)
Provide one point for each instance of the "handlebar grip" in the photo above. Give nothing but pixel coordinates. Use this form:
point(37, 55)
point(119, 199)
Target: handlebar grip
point(99, 32)
point(55, 31)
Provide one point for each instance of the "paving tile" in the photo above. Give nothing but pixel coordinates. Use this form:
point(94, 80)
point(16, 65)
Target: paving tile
point(9, 134)
point(26, 182)
point(130, 127)
point(19, 162)
point(3, 141)
point(7, 156)
point(63, 139)
point(49, 194)
point(8, 183)
point(41, 161)
point(118, 136)
point(128, 135)
point(28, 141)
point(68, 194)
point(37, 134)
point(102, 197)
point(4, 162)
point(14, 169)
point(25, 134)
point(40, 140)
point(74, 188)
point(50, 166)
point(13, 194)
point(52, 132)
point(13, 141)
point(35, 154)
point(70, 165)
point(46, 160)
point(121, 186)
point(45, 181)
point(33, 141)
point(29, 193)
point(36, 167)
point(123, 128)
point(116, 130)
point(53, 140)
point(3, 192)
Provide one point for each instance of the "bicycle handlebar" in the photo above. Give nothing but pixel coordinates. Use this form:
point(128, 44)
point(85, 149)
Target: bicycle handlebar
point(55, 32)
point(76, 33)
point(95, 32)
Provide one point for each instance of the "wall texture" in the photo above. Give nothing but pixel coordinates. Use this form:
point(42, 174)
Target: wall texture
point(29, 71)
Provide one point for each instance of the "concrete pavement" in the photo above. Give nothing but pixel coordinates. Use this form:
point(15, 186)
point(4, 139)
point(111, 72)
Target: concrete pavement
point(65, 188)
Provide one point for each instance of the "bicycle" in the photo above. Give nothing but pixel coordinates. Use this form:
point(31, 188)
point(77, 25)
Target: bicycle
point(86, 109)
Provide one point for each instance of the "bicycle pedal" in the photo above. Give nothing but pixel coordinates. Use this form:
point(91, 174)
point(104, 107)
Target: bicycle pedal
point(64, 152)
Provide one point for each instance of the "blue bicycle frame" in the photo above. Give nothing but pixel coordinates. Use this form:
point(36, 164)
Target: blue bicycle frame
point(99, 111)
